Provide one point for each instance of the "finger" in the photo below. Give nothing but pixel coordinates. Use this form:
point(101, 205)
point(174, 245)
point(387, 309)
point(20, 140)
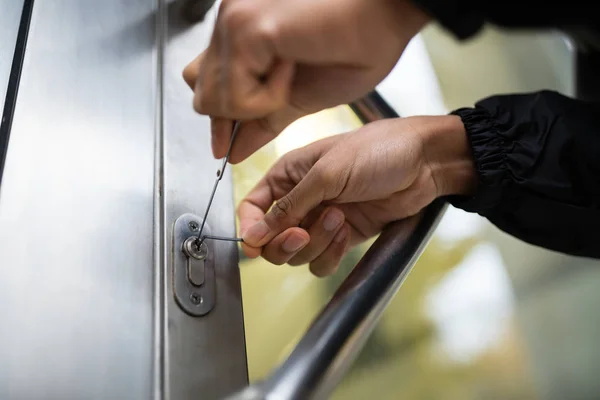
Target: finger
point(289, 210)
point(249, 251)
point(327, 263)
point(312, 217)
point(280, 181)
point(285, 245)
point(192, 70)
point(234, 92)
point(321, 235)
point(251, 210)
point(254, 134)
point(220, 134)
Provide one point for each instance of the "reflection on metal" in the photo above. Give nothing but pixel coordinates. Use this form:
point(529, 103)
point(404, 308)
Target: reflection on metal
point(327, 350)
point(193, 267)
point(77, 309)
point(103, 158)
point(372, 108)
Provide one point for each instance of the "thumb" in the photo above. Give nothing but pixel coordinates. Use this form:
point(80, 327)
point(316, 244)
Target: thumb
point(289, 210)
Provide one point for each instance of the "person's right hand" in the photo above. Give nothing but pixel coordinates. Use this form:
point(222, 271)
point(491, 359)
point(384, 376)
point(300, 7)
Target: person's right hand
point(337, 192)
point(270, 62)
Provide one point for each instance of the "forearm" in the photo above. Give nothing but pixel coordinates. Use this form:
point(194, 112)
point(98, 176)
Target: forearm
point(536, 167)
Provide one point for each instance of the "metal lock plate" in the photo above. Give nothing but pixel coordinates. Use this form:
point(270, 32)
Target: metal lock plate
point(193, 267)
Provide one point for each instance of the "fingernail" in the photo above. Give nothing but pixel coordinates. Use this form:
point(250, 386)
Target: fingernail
point(293, 243)
point(256, 233)
point(341, 235)
point(332, 220)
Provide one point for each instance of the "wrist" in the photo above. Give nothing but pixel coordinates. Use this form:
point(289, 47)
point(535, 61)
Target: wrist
point(447, 154)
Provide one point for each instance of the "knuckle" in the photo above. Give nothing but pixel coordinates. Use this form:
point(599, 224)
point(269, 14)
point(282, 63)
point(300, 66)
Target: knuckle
point(283, 207)
point(189, 76)
point(320, 173)
point(234, 14)
point(237, 13)
point(334, 175)
point(267, 29)
point(325, 174)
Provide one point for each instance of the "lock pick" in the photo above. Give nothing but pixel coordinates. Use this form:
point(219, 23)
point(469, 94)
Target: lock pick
point(200, 239)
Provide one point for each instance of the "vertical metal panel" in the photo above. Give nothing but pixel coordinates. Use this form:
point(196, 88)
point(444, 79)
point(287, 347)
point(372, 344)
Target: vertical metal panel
point(206, 355)
point(76, 206)
point(10, 14)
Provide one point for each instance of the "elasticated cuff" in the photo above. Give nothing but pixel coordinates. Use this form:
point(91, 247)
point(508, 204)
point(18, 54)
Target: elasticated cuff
point(488, 149)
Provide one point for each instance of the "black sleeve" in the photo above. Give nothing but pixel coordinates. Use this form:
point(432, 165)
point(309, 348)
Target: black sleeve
point(538, 162)
point(465, 17)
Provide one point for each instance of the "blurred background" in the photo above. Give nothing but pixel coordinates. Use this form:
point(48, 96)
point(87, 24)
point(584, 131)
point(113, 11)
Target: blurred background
point(482, 315)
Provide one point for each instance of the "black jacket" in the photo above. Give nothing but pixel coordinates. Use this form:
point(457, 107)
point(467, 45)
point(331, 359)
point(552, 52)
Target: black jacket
point(537, 155)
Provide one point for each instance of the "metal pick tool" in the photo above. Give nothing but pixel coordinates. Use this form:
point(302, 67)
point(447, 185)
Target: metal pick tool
point(200, 239)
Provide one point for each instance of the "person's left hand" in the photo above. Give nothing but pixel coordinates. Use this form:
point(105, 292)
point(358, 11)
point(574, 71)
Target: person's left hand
point(337, 192)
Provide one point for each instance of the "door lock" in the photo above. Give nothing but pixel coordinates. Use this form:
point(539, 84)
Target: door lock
point(196, 253)
point(193, 264)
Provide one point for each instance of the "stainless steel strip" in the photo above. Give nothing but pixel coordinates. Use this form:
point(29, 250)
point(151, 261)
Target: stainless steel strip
point(206, 356)
point(9, 26)
point(334, 339)
point(160, 285)
point(76, 207)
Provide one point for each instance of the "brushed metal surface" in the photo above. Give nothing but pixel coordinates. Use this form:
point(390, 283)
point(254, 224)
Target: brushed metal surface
point(206, 355)
point(76, 207)
point(10, 14)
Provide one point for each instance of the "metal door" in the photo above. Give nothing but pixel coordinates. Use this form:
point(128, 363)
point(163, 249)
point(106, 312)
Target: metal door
point(104, 154)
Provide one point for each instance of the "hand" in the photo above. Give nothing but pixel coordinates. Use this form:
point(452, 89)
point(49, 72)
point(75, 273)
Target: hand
point(271, 62)
point(335, 193)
